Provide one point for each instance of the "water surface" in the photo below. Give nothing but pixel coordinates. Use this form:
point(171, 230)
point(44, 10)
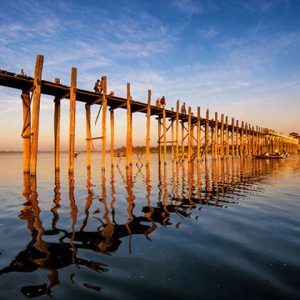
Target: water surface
point(224, 229)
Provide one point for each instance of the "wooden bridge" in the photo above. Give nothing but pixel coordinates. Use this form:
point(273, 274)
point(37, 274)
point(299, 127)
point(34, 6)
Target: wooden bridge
point(217, 136)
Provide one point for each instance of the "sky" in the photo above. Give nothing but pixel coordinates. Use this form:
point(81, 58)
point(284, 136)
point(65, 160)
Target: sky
point(240, 58)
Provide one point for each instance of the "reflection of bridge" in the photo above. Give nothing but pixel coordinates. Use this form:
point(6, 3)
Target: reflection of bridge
point(219, 137)
point(220, 183)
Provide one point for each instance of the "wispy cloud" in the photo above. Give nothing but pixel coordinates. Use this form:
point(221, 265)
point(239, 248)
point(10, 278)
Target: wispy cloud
point(189, 7)
point(208, 33)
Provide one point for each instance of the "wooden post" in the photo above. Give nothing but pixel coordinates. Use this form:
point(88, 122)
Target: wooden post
point(148, 129)
point(206, 132)
point(56, 132)
point(189, 134)
point(36, 112)
point(159, 136)
point(129, 129)
point(253, 141)
point(222, 137)
point(88, 135)
point(198, 134)
point(182, 141)
point(104, 110)
point(72, 120)
point(232, 138)
point(172, 136)
point(112, 137)
point(177, 131)
point(26, 133)
point(227, 137)
point(216, 135)
point(242, 140)
point(237, 138)
point(165, 135)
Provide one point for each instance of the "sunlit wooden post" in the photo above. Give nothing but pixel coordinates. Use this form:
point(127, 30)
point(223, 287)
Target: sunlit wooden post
point(182, 141)
point(104, 110)
point(237, 138)
point(227, 136)
point(36, 113)
point(148, 129)
point(198, 134)
point(246, 140)
point(222, 137)
point(216, 135)
point(72, 119)
point(159, 138)
point(112, 137)
point(56, 133)
point(189, 133)
point(177, 130)
point(88, 135)
point(26, 133)
point(165, 134)
point(129, 129)
point(206, 132)
point(172, 136)
point(232, 138)
point(242, 140)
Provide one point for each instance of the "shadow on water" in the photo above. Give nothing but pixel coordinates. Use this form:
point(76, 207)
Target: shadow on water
point(181, 190)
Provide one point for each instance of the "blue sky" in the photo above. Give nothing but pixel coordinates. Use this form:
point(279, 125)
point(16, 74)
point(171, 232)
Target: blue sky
point(240, 58)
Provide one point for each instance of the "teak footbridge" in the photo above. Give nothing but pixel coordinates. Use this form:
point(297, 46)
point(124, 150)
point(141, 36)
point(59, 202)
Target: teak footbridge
point(217, 137)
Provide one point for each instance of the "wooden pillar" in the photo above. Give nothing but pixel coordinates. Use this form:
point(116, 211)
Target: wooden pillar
point(177, 130)
point(72, 120)
point(253, 141)
point(222, 137)
point(159, 136)
point(189, 134)
point(206, 132)
point(226, 137)
point(198, 134)
point(246, 143)
point(165, 134)
point(148, 129)
point(232, 138)
point(237, 138)
point(112, 137)
point(104, 111)
point(216, 135)
point(36, 113)
point(56, 133)
point(242, 140)
point(26, 133)
point(129, 129)
point(88, 135)
point(182, 141)
point(172, 136)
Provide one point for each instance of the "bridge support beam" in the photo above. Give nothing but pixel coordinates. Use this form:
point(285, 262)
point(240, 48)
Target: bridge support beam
point(26, 133)
point(57, 134)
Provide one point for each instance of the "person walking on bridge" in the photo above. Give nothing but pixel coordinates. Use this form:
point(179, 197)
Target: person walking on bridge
point(163, 102)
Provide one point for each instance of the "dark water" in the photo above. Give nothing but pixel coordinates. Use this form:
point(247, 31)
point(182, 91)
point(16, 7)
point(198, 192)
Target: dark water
point(227, 229)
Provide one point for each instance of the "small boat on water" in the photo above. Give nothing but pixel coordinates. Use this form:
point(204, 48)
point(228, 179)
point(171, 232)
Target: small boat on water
point(271, 156)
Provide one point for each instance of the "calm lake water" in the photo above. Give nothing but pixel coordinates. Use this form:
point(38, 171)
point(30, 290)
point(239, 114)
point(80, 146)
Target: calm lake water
point(228, 229)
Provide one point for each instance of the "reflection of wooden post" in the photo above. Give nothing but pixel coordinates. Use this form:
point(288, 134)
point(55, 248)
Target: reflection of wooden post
point(177, 130)
point(88, 135)
point(26, 134)
point(112, 137)
point(227, 136)
point(36, 112)
point(198, 134)
point(237, 138)
point(104, 110)
point(222, 137)
point(216, 148)
point(232, 138)
point(165, 135)
point(189, 134)
point(206, 132)
point(56, 132)
point(148, 129)
point(72, 120)
point(129, 129)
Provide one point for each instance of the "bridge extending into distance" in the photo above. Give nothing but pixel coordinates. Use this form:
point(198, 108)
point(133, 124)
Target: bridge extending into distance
point(190, 135)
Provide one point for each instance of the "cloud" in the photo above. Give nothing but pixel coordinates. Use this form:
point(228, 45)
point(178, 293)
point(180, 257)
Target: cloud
point(189, 7)
point(208, 33)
